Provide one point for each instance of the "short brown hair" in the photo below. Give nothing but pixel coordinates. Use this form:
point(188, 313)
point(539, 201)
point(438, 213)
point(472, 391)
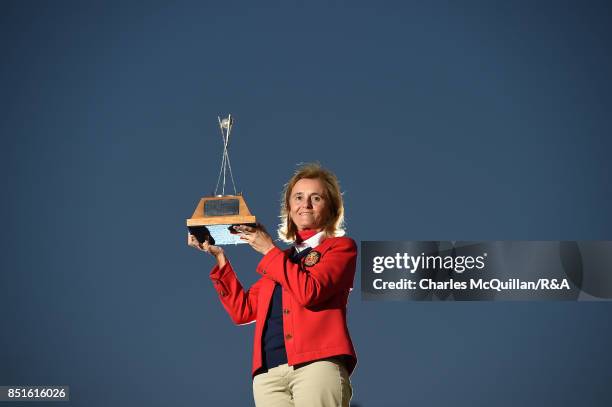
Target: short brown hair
point(334, 222)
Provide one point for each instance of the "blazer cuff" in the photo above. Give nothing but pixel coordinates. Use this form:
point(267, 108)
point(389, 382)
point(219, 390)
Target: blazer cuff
point(268, 259)
point(217, 273)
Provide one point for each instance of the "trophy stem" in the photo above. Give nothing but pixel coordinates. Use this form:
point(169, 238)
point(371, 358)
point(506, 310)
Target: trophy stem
point(226, 124)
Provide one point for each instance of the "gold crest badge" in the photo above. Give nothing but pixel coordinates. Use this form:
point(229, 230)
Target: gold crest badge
point(312, 258)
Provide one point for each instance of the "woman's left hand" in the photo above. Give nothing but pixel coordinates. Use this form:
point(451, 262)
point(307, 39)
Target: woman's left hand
point(257, 237)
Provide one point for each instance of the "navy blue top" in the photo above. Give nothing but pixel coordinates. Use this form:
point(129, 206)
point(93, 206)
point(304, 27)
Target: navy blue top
point(273, 341)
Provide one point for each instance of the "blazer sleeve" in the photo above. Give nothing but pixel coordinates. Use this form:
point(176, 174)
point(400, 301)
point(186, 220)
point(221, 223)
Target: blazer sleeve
point(240, 305)
point(313, 285)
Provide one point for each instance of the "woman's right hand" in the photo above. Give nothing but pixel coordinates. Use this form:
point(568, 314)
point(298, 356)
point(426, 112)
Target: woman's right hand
point(215, 251)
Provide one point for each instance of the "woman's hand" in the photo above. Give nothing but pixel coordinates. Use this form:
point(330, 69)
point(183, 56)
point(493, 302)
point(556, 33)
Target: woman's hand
point(213, 250)
point(257, 237)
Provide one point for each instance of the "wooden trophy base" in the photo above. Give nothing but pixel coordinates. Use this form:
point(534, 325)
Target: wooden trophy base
point(214, 217)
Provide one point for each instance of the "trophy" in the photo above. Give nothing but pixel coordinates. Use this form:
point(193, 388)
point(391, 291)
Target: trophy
point(215, 216)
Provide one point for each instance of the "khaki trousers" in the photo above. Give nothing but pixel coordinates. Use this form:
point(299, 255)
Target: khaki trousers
point(322, 383)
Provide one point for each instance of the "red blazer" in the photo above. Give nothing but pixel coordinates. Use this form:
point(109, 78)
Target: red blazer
point(315, 294)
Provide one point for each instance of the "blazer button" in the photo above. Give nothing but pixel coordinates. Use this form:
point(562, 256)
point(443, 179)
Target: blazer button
point(264, 272)
point(223, 294)
point(288, 336)
point(285, 311)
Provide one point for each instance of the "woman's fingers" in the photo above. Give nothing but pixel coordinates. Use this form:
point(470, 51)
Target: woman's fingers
point(245, 229)
point(193, 242)
point(203, 247)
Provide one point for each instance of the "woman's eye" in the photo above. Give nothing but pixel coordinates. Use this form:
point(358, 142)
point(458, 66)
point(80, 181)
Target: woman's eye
point(317, 199)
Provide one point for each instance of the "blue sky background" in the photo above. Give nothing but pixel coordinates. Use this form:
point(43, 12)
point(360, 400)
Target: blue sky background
point(469, 120)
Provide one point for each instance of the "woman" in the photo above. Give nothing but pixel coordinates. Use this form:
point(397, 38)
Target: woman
point(302, 352)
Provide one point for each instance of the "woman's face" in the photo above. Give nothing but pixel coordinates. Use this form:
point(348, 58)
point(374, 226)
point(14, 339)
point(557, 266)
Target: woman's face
point(307, 205)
